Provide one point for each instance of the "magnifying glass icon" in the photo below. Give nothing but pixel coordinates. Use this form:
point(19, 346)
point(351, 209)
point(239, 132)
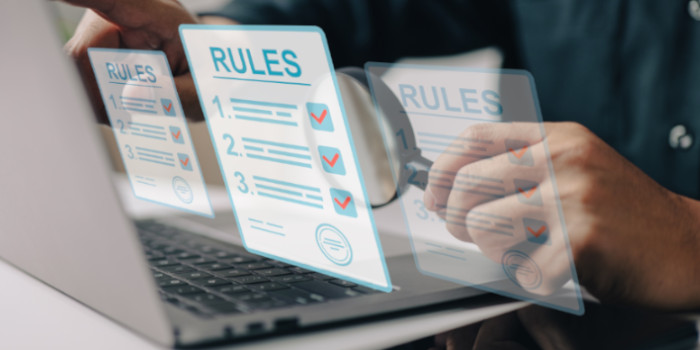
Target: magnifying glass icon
point(404, 160)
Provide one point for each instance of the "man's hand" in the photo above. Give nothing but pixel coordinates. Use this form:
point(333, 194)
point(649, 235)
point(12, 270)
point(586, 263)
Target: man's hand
point(135, 24)
point(633, 241)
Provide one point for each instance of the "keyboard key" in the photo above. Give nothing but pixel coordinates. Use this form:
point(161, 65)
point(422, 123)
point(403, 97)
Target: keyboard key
point(164, 263)
point(159, 275)
point(178, 269)
point(253, 297)
point(205, 298)
point(326, 290)
point(277, 263)
point(343, 283)
point(187, 256)
point(194, 275)
point(170, 282)
point(183, 290)
point(290, 278)
point(232, 290)
point(201, 261)
point(224, 255)
point(214, 267)
point(320, 276)
point(211, 282)
point(232, 273)
point(299, 270)
point(272, 272)
point(241, 260)
point(254, 266)
point(266, 287)
point(296, 296)
point(250, 279)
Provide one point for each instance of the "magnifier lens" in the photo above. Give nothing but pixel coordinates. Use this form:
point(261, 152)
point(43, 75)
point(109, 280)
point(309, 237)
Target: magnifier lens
point(367, 125)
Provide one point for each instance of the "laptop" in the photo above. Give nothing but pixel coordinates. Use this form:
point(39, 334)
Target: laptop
point(63, 223)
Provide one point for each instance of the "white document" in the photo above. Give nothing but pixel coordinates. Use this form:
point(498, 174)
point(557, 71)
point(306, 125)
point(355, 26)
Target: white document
point(144, 109)
point(278, 125)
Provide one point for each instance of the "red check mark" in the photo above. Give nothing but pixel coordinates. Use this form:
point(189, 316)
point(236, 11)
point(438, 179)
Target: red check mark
point(527, 193)
point(185, 162)
point(518, 154)
point(344, 204)
point(537, 233)
point(177, 135)
point(168, 107)
point(332, 161)
point(321, 118)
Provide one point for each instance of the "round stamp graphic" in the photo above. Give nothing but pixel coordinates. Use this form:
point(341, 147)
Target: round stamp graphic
point(521, 269)
point(182, 189)
point(333, 244)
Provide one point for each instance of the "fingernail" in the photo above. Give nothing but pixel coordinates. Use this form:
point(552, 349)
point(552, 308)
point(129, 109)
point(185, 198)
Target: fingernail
point(429, 199)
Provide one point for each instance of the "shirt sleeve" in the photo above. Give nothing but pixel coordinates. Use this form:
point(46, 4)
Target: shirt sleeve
point(385, 30)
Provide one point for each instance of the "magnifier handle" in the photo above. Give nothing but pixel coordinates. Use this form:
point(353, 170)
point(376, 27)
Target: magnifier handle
point(417, 172)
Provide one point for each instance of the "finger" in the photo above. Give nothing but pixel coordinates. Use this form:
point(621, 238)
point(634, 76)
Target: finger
point(488, 180)
point(479, 142)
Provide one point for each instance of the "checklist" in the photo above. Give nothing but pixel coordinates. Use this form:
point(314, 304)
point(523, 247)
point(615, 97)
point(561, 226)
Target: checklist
point(273, 108)
point(511, 208)
point(150, 128)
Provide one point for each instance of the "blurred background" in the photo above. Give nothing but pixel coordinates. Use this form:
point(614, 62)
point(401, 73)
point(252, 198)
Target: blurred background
point(69, 17)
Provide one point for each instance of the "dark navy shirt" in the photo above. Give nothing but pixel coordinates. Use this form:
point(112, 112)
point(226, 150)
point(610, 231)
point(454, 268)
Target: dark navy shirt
point(627, 69)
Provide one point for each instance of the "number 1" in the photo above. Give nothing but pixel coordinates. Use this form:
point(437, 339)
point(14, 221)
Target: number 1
point(218, 105)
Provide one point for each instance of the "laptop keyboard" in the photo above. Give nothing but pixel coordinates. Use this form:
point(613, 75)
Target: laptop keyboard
point(208, 277)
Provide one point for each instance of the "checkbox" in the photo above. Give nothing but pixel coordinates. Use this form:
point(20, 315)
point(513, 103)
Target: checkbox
point(536, 231)
point(528, 192)
point(185, 161)
point(320, 116)
point(176, 134)
point(168, 107)
point(343, 202)
point(519, 152)
point(332, 160)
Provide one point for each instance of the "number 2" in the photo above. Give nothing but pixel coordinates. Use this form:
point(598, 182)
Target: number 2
point(121, 126)
point(232, 142)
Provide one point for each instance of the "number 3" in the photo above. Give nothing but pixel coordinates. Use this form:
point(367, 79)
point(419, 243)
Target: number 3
point(242, 186)
point(130, 153)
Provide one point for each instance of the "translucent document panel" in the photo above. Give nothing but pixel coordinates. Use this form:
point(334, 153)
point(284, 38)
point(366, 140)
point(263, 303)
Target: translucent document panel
point(495, 184)
point(144, 110)
point(278, 125)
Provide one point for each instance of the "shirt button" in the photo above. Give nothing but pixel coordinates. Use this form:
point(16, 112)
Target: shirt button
point(694, 9)
point(680, 137)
